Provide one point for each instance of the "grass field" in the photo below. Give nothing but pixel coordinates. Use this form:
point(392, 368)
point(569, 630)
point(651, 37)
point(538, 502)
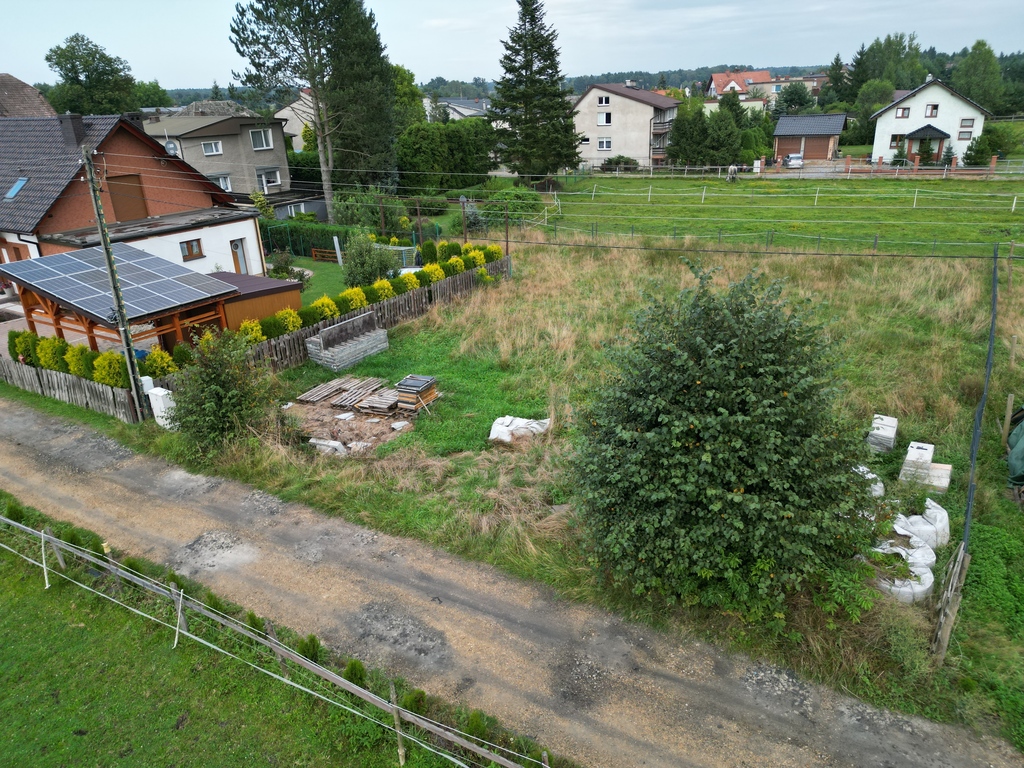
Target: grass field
point(912, 334)
point(912, 217)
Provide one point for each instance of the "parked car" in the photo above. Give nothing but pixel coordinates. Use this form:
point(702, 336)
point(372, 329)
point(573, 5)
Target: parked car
point(793, 161)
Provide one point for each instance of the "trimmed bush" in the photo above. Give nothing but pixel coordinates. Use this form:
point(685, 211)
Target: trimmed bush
point(309, 647)
point(474, 259)
point(160, 363)
point(422, 276)
point(404, 242)
point(110, 368)
point(366, 263)
point(50, 354)
point(468, 247)
point(326, 307)
point(251, 331)
point(458, 265)
point(435, 272)
point(483, 276)
point(448, 268)
point(428, 253)
point(310, 316)
point(398, 285)
point(409, 280)
point(384, 290)
point(415, 701)
point(272, 327)
point(25, 348)
point(493, 253)
point(452, 250)
point(80, 360)
point(356, 298)
point(355, 673)
point(12, 343)
point(183, 354)
point(290, 318)
point(372, 297)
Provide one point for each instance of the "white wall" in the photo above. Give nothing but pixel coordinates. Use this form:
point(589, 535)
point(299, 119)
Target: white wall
point(28, 245)
point(630, 130)
point(216, 242)
point(952, 109)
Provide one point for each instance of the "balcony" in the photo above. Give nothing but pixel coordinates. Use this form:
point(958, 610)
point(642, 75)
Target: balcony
point(658, 128)
point(657, 151)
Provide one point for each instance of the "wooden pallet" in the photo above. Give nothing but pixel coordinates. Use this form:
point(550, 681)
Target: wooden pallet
point(360, 391)
point(410, 401)
point(322, 392)
point(382, 402)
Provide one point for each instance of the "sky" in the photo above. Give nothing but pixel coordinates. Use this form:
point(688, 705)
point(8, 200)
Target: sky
point(186, 44)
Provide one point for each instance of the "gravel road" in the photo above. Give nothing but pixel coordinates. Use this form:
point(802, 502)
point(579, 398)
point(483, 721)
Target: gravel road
point(580, 680)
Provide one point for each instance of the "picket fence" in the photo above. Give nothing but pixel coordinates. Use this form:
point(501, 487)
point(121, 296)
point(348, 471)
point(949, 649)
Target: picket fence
point(111, 401)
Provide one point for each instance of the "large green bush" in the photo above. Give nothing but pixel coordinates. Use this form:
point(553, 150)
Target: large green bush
point(428, 252)
point(111, 368)
point(80, 360)
point(221, 395)
point(366, 262)
point(522, 203)
point(50, 353)
point(25, 348)
point(300, 237)
point(712, 466)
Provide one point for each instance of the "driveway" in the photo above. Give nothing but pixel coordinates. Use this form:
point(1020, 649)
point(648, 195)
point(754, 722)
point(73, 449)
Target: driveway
point(580, 680)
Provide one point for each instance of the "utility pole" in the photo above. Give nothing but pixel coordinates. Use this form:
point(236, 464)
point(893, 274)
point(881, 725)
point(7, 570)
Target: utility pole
point(118, 314)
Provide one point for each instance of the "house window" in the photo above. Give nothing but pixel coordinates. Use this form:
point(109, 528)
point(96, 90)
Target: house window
point(212, 148)
point(967, 122)
point(604, 118)
point(604, 101)
point(605, 143)
point(16, 188)
point(261, 139)
point(585, 140)
point(776, 89)
point(191, 249)
point(964, 136)
point(902, 112)
point(223, 181)
point(296, 208)
point(267, 177)
point(895, 140)
point(932, 110)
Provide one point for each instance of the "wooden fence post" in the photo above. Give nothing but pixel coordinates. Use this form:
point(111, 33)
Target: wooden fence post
point(398, 724)
point(1013, 350)
point(1006, 423)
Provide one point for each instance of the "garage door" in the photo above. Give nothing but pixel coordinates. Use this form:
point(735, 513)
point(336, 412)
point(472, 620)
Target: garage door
point(787, 145)
point(816, 148)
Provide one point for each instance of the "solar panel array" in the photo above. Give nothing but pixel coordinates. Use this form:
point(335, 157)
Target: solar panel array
point(149, 285)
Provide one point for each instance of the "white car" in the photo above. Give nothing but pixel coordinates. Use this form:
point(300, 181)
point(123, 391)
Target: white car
point(793, 161)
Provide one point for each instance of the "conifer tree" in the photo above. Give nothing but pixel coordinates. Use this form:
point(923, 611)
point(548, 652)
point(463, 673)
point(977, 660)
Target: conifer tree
point(531, 112)
point(724, 141)
point(687, 140)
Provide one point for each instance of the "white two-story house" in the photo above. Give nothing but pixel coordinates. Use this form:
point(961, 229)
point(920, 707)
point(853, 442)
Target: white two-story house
point(931, 112)
point(624, 120)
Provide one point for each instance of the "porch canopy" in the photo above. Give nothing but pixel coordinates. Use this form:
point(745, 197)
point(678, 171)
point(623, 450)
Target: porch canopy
point(927, 132)
point(71, 292)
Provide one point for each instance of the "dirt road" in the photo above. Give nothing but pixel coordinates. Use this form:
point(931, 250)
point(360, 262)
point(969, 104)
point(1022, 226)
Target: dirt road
point(579, 680)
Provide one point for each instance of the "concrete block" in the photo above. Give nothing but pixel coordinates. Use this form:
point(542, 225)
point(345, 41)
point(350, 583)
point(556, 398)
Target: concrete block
point(345, 416)
point(398, 426)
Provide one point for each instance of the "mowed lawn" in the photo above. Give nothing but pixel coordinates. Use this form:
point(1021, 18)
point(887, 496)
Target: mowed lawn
point(908, 216)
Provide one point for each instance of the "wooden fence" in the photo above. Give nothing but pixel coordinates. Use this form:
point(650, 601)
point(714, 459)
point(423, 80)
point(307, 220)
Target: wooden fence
point(184, 606)
point(111, 401)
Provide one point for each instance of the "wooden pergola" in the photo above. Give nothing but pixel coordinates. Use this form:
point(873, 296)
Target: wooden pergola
point(168, 327)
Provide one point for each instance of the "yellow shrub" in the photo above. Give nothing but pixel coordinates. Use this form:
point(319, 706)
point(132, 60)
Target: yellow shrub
point(394, 240)
point(290, 318)
point(111, 369)
point(384, 289)
point(356, 298)
point(411, 283)
point(326, 307)
point(435, 272)
point(404, 224)
point(493, 252)
point(252, 331)
point(441, 245)
point(160, 363)
point(372, 237)
point(467, 247)
point(476, 257)
point(457, 264)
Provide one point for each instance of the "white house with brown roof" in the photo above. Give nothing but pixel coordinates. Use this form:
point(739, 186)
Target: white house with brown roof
point(931, 112)
point(623, 120)
point(738, 82)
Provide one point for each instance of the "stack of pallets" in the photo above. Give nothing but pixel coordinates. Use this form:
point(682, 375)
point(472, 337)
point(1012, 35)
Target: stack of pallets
point(415, 392)
point(382, 402)
point(323, 391)
point(358, 389)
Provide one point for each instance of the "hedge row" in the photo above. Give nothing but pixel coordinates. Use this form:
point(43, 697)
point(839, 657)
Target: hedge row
point(108, 367)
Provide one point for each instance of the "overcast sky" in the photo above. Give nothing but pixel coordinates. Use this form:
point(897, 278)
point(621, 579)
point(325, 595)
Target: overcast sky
point(185, 44)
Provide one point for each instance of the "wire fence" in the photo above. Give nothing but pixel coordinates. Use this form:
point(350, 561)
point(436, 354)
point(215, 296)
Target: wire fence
point(260, 649)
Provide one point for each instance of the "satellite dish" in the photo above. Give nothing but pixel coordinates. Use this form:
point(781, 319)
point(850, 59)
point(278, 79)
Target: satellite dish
point(171, 148)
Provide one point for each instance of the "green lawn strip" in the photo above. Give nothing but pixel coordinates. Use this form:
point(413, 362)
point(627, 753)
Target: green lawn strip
point(328, 279)
point(913, 216)
point(89, 682)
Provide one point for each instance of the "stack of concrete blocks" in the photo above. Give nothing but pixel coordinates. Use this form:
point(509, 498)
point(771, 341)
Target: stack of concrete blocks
point(919, 468)
point(925, 534)
point(347, 353)
point(882, 437)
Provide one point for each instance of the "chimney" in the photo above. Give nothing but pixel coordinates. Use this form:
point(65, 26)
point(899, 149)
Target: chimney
point(631, 83)
point(72, 129)
point(929, 78)
point(135, 118)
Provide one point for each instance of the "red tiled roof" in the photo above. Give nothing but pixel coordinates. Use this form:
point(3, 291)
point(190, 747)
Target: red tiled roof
point(721, 80)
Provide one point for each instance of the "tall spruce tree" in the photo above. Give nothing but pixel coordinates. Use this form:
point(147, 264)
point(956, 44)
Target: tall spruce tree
point(531, 111)
point(724, 142)
point(978, 78)
point(687, 139)
point(838, 86)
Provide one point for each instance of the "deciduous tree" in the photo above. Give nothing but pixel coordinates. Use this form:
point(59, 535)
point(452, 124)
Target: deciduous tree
point(408, 100)
point(978, 78)
point(92, 82)
point(530, 111)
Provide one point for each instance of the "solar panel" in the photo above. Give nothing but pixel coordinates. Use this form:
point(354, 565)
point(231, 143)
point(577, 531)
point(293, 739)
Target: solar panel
point(149, 285)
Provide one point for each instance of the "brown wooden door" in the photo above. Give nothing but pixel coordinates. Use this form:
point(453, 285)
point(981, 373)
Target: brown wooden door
point(127, 197)
point(816, 148)
point(787, 145)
